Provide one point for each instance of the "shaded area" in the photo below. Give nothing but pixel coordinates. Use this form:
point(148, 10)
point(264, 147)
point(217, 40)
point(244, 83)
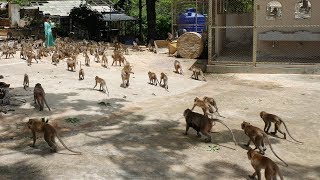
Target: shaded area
point(22, 170)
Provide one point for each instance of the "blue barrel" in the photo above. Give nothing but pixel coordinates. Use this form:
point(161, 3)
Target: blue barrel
point(190, 19)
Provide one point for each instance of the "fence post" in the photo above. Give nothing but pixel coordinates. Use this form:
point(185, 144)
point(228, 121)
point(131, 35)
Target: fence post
point(255, 35)
point(211, 18)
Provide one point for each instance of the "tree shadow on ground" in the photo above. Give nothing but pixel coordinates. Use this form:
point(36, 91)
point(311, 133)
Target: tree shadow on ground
point(26, 171)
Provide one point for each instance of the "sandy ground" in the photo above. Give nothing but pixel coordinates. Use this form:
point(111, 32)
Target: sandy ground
point(139, 134)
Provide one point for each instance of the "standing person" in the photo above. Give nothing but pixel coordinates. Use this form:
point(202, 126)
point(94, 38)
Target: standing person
point(48, 32)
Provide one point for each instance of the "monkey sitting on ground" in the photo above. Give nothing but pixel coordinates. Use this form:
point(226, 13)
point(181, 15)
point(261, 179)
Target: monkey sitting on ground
point(204, 105)
point(153, 78)
point(259, 162)
point(257, 136)
point(177, 67)
point(164, 77)
point(202, 123)
point(125, 75)
point(196, 71)
point(39, 96)
point(71, 64)
point(81, 73)
point(49, 132)
point(25, 81)
point(271, 118)
point(102, 83)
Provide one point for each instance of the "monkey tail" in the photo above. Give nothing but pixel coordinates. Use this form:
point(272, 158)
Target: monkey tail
point(107, 89)
point(280, 175)
point(234, 139)
point(265, 135)
point(77, 152)
point(289, 132)
point(46, 104)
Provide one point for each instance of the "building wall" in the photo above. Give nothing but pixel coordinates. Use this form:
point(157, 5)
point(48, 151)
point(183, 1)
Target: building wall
point(288, 48)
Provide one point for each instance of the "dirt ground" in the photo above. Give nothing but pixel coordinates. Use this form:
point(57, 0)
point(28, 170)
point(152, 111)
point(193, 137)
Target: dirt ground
point(138, 133)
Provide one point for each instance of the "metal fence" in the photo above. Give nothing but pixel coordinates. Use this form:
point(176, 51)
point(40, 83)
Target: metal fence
point(263, 31)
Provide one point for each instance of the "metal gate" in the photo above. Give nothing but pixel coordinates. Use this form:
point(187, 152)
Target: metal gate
point(264, 31)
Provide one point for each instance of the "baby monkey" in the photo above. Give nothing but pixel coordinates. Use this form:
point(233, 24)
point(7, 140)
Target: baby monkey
point(102, 83)
point(81, 73)
point(25, 81)
point(259, 162)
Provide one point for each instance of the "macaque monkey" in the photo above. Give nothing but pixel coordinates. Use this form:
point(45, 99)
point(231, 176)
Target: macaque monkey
point(39, 96)
point(87, 59)
point(196, 71)
point(96, 57)
point(164, 78)
point(25, 81)
point(271, 118)
point(257, 136)
point(125, 75)
point(118, 56)
point(170, 37)
point(202, 123)
point(211, 103)
point(31, 56)
point(81, 73)
point(102, 83)
point(104, 60)
point(259, 162)
point(204, 105)
point(117, 46)
point(49, 132)
point(71, 64)
point(178, 67)
point(153, 78)
point(55, 58)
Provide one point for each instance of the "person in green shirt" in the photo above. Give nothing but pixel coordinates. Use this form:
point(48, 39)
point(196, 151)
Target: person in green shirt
point(48, 32)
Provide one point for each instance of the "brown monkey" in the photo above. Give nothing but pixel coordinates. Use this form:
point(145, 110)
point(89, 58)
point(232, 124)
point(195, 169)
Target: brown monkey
point(204, 105)
point(196, 71)
point(71, 64)
point(257, 136)
point(118, 56)
point(104, 60)
point(102, 83)
point(211, 103)
point(87, 59)
point(153, 78)
point(271, 118)
point(96, 57)
point(30, 56)
point(164, 77)
point(81, 73)
point(49, 132)
point(177, 67)
point(202, 123)
point(259, 162)
point(25, 81)
point(55, 58)
point(39, 96)
point(125, 75)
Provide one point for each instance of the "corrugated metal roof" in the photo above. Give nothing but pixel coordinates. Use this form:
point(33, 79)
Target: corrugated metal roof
point(117, 17)
point(63, 8)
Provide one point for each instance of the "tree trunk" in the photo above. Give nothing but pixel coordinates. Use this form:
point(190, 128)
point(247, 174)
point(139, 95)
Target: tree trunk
point(140, 20)
point(151, 18)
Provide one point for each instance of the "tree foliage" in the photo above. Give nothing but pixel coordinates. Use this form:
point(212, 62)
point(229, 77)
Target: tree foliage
point(87, 19)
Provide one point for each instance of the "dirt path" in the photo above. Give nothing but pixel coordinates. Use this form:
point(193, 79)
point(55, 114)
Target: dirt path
point(139, 133)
